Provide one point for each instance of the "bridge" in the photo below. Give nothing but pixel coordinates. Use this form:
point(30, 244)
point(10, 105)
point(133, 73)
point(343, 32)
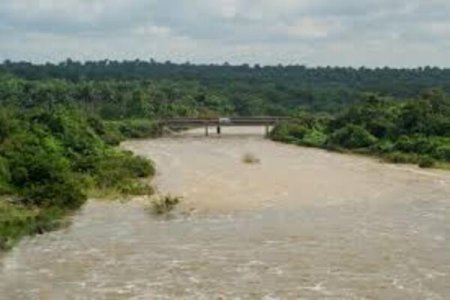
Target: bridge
point(220, 122)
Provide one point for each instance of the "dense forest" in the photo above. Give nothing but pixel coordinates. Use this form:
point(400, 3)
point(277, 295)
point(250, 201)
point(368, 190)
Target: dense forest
point(245, 89)
point(60, 123)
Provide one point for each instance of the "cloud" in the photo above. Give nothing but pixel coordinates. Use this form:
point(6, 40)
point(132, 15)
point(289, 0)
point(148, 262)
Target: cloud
point(315, 32)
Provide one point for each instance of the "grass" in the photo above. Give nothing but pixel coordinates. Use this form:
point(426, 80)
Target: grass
point(17, 221)
point(133, 188)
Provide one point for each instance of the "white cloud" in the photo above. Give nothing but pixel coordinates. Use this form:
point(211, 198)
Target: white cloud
point(318, 32)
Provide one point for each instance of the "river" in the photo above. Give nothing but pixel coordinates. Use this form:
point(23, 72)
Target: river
point(301, 224)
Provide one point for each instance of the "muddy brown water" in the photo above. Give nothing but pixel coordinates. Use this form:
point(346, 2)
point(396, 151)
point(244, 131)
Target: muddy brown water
point(301, 224)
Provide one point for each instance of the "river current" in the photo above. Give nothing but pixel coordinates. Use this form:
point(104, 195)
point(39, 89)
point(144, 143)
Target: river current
point(300, 224)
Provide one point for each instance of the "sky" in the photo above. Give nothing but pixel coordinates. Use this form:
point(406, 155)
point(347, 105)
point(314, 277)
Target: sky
point(372, 33)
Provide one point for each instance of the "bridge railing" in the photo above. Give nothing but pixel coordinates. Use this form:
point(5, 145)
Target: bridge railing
point(225, 121)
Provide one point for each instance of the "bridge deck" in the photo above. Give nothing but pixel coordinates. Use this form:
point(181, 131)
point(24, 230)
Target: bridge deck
point(221, 122)
point(233, 121)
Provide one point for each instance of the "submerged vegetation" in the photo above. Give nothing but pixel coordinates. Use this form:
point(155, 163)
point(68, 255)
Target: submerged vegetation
point(250, 158)
point(162, 204)
point(59, 124)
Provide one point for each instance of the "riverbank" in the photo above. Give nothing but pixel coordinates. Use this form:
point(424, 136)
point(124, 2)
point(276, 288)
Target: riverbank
point(396, 158)
point(416, 131)
point(51, 162)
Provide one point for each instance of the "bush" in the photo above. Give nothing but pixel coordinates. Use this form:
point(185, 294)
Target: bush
point(114, 132)
point(384, 146)
point(49, 159)
point(400, 158)
point(426, 162)
point(112, 135)
point(139, 128)
point(352, 137)
point(5, 176)
point(163, 204)
point(286, 131)
point(116, 167)
point(139, 167)
point(315, 138)
point(17, 221)
point(443, 152)
point(135, 188)
point(415, 144)
point(66, 193)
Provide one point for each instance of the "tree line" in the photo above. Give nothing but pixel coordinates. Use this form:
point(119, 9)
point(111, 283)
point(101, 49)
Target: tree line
point(249, 89)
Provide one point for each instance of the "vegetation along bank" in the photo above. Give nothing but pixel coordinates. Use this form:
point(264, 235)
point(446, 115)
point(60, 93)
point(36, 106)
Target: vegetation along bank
point(414, 131)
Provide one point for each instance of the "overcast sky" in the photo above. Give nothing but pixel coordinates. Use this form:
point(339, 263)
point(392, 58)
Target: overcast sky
point(311, 32)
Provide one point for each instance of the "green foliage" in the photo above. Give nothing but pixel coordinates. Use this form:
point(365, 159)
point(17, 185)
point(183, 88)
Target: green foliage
point(288, 131)
point(374, 114)
point(303, 129)
point(163, 88)
point(49, 160)
point(315, 138)
point(135, 188)
point(383, 147)
point(443, 152)
point(17, 221)
point(352, 137)
point(139, 128)
point(110, 133)
point(114, 132)
point(116, 168)
point(414, 131)
point(401, 158)
point(5, 177)
point(415, 144)
point(426, 162)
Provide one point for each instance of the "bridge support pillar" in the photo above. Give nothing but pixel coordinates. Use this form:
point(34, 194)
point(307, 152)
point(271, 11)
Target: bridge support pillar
point(219, 130)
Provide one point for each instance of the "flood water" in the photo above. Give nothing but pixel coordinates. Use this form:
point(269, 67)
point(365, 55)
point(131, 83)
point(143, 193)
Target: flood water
point(301, 224)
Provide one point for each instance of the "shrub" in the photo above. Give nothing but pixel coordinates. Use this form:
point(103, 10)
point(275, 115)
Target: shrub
point(5, 176)
point(315, 138)
point(139, 167)
point(384, 146)
point(112, 134)
point(443, 152)
point(297, 131)
point(135, 188)
point(17, 221)
point(288, 131)
point(400, 158)
point(426, 162)
point(163, 204)
point(139, 128)
point(49, 159)
point(116, 167)
point(415, 144)
point(65, 193)
point(352, 137)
